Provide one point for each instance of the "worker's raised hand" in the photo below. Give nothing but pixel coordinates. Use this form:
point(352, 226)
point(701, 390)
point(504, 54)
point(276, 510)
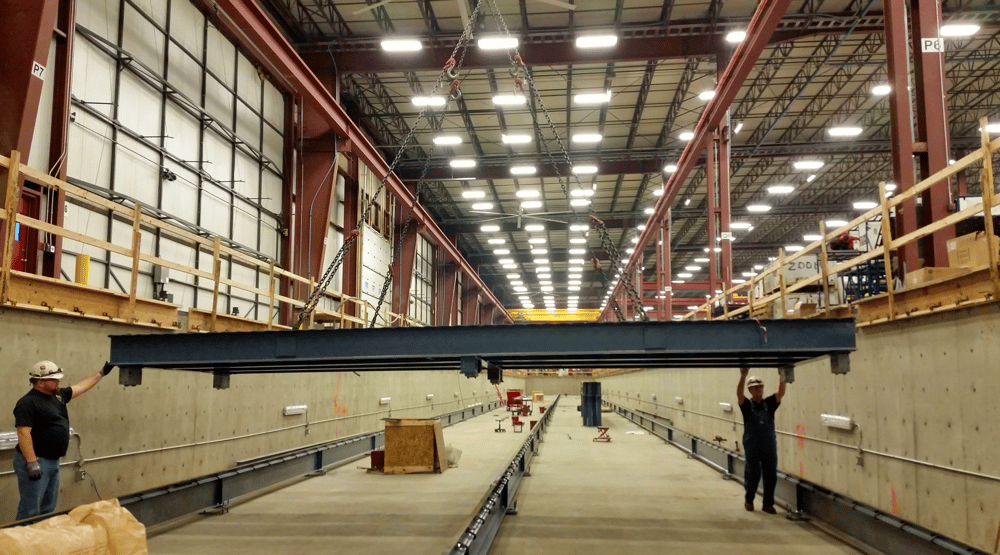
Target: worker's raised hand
point(34, 471)
point(744, 370)
point(108, 367)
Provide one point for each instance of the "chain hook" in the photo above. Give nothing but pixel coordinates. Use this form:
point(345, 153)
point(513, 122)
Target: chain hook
point(450, 70)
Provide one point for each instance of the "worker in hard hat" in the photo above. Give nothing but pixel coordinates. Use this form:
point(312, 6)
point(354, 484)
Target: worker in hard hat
point(759, 442)
point(42, 424)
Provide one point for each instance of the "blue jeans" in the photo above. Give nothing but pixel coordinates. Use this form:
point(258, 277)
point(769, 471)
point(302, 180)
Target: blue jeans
point(38, 497)
point(761, 463)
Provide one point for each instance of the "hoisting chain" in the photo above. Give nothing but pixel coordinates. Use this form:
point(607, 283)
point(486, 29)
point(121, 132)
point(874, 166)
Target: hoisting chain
point(517, 64)
point(451, 71)
point(604, 283)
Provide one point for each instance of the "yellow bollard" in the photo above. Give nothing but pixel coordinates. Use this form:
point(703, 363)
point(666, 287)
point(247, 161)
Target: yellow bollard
point(82, 269)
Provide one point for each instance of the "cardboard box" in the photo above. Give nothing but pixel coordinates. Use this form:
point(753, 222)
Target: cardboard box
point(969, 251)
point(930, 273)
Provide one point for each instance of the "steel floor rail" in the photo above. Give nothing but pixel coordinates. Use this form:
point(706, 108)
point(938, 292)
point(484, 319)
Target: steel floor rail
point(478, 536)
point(470, 349)
point(884, 532)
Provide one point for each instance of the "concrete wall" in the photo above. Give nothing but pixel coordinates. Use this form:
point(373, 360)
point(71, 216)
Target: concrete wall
point(175, 426)
point(924, 394)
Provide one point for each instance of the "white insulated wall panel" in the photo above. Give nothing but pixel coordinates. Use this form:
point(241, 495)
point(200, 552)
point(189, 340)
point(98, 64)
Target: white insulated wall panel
point(143, 40)
point(273, 145)
point(219, 101)
point(181, 198)
point(220, 58)
point(246, 176)
point(274, 107)
point(179, 253)
point(248, 124)
point(188, 27)
point(375, 256)
point(135, 173)
point(85, 221)
point(334, 241)
point(215, 209)
point(182, 135)
point(93, 77)
point(217, 153)
point(89, 151)
point(99, 17)
point(245, 224)
point(248, 82)
point(139, 107)
point(271, 193)
point(121, 234)
point(184, 73)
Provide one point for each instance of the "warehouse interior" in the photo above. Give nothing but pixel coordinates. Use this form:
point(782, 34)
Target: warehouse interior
point(242, 168)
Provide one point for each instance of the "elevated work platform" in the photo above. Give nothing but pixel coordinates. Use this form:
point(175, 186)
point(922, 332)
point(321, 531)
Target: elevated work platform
point(682, 344)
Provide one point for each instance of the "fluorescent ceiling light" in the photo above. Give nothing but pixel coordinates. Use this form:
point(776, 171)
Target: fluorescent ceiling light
point(648, 210)
point(578, 251)
point(542, 261)
point(546, 288)
point(576, 261)
point(993, 127)
point(811, 237)
point(463, 163)
point(513, 276)
point(501, 251)
point(865, 205)
point(401, 45)
point(473, 194)
point(757, 208)
point(808, 164)
point(793, 248)
point(693, 268)
point(835, 223)
point(517, 283)
point(510, 266)
point(577, 240)
point(749, 274)
point(702, 260)
point(537, 240)
point(579, 202)
point(844, 131)
point(515, 139)
point(506, 261)
point(581, 193)
point(520, 289)
point(447, 140)
point(587, 138)
point(780, 189)
point(482, 206)
point(544, 282)
point(669, 168)
point(658, 192)
point(686, 136)
point(736, 36)
point(579, 227)
point(738, 281)
point(959, 30)
point(687, 201)
point(890, 186)
point(706, 95)
point(811, 178)
point(584, 169)
point(497, 241)
point(738, 128)
point(489, 228)
point(740, 225)
point(685, 275)
point(428, 101)
point(596, 41)
point(523, 170)
point(498, 43)
point(534, 227)
point(592, 98)
point(758, 266)
point(509, 99)
point(526, 193)
point(531, 204)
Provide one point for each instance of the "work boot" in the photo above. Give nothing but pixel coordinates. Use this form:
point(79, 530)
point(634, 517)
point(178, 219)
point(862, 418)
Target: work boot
point(749, 506)
point(769, 510)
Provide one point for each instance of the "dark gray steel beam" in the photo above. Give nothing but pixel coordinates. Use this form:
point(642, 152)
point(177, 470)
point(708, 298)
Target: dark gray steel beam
point(640, 344)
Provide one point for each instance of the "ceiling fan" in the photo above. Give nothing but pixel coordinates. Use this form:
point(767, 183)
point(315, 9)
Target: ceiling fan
point(463, 6)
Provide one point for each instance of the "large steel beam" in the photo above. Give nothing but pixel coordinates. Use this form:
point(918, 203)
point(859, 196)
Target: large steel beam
point(364, 55)
point(762, 26)
point(250, 27)
point(687, 344)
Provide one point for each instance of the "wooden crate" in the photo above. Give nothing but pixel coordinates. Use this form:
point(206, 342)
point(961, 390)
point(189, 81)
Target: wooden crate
point(414, 445)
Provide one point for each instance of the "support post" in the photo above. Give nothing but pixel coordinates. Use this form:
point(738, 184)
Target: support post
point(890, 278)
point(824, 268)
point(216, 272)
point(11, 200)
point(986, 183)
point(136, 246)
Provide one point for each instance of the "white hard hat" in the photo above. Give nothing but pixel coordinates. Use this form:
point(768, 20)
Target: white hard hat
point(45, 370)
point(753, 381)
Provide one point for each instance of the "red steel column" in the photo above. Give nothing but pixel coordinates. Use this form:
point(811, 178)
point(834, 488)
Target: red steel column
point(725, 207)
point(901, 125)
point(712, 190)
point(932, 126)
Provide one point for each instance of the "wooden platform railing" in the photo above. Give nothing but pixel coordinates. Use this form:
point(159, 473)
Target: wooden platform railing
point(134, 309)
point(890, 244)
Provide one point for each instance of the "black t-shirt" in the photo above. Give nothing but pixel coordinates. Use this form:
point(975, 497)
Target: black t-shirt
point(48, 419)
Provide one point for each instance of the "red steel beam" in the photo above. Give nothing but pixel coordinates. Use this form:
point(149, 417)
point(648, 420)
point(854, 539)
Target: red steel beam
point(762, 25)
point(251, 28)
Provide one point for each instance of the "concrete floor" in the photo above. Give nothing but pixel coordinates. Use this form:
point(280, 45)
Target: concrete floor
point(634, 495)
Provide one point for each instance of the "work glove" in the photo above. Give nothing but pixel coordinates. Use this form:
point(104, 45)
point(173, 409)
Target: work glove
point(107, 368)
point(34, 471)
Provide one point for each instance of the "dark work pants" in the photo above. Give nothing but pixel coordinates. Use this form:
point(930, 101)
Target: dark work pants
point(761, 463)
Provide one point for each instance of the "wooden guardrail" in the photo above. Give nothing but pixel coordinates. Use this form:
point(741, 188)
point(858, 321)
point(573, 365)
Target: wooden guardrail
point(982, 156)
point(36, 292)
